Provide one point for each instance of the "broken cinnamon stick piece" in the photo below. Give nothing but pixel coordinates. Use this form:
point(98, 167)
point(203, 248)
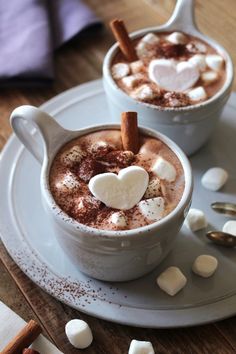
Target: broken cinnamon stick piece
point(126, 46)
point(23, 339)
point(30, 351)
point(129, 131)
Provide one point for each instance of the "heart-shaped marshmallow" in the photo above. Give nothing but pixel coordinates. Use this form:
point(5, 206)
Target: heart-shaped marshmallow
point(173, 76)
point(122, 191)
point(152, 209)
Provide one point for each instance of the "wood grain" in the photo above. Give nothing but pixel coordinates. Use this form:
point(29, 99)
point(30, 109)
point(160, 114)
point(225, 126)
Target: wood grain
point(76, 63)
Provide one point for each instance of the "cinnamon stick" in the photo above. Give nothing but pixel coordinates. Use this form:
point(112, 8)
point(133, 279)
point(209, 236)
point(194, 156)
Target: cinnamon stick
point(120, 33)
point(129, 131)
point(30, 351)
point(23, 339)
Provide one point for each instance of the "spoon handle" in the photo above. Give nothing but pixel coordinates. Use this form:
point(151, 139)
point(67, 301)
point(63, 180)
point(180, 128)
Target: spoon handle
point(183, 17)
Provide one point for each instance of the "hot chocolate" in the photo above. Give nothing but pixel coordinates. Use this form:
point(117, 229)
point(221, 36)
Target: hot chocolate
point(90, 173)
point(170, 70)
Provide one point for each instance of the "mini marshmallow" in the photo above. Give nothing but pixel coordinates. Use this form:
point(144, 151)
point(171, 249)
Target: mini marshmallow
point(199, 61)
point(152, 209)
point(119, 219)
point(230, 227)
point(205, 265)
point(140, 347)
point(79, 334)
point(177, 38)
point(214, 178)
point(197, 94)
point(172, 280)
point(164, 169)
point(195, 220)
point(150, 38)
point(67, 182)
point(142, 47)
point(132, 80)
point(136, 66)
point(196, 47)
point(214, 61)
point(209, 77)
point(154, 188)
point(100, 146)
point(144, 92)
point(71, 156)
point(120, 70)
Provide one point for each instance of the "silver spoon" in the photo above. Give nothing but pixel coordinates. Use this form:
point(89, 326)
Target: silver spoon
point(222, 238)
point(224, 208)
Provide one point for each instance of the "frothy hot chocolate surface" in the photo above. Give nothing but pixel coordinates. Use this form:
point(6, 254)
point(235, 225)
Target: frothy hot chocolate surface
point(102, 152)
point(172, 70)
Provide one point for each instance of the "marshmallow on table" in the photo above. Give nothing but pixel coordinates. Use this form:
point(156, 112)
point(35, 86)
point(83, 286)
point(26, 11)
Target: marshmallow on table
point(71, 156)
point(205, 265)
point(132, 80)
point(136, 66)
point(214, 61)
point(199, 61)
point(209, 76)
point(164, 169)
point(144, 92)
point(177, 38)
point(140, 347)
point(214, 178)
point(120, 70)
point(195, 220)
point(119, 219)
point(197, 94)
point(67, 182)
point(152, 209)
point(79, 334)
point(230, 227)
point(172, 280)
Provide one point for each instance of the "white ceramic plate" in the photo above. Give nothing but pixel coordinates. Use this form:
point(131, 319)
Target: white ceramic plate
point(30, 240)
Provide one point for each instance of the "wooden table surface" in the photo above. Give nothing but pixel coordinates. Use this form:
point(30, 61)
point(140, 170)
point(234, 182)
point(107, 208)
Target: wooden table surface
point(77, 63)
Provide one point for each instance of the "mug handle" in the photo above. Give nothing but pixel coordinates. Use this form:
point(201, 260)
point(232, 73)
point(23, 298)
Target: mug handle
point(25, 117)
point(183, 16)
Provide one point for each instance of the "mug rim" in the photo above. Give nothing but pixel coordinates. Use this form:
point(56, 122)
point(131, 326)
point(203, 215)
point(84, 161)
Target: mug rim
point(227, 84)
point(74, 226)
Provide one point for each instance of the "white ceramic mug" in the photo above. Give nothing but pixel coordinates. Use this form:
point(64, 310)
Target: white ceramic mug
point(105, 255)
point(190, 127)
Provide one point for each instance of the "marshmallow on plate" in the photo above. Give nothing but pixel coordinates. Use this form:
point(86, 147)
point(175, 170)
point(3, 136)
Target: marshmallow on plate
point(199, 61)
point(67, 182)
point(214, 178)
point(173, 76)
point(209, 76)
point(78, 333)
point(177, 38)
point(197, 94)
point(152, 209)
point(172, 280)
point(132, 80)
point(142, 93)
point(119, 219)
point(214, 61)
point(71, 156)
point(205, 265)
point(136, 66)
point(230, 227)
point(140, 347)
point(164, 169)
point(153, 188)
point(120, 70)
point(195, 220)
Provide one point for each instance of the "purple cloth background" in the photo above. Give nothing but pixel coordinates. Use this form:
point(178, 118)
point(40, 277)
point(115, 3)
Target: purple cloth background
point(30, 31)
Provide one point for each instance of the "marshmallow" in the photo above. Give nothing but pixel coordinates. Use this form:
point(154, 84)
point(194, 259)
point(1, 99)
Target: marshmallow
point(173, 76)
point(177, 38)
point(120, 70)
point(150, 38)
point(72, 156)
point(152, 209)
point(142, 93)
point(197, 94)
point(122, 191)
point(119, 219)
point(199, 61)
point(136, 66)
point(172, 280)
point(132, 80)
point(209, 77)
point(164, 169)
point(142, 47)
point(205, 265)
point(140, 347)
point(67, 182)
point(79, 334)
point(214, 178)
point(153, 189)
point(214, 61)
point(195, 220)
point(196, 47)
point(230, 227)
